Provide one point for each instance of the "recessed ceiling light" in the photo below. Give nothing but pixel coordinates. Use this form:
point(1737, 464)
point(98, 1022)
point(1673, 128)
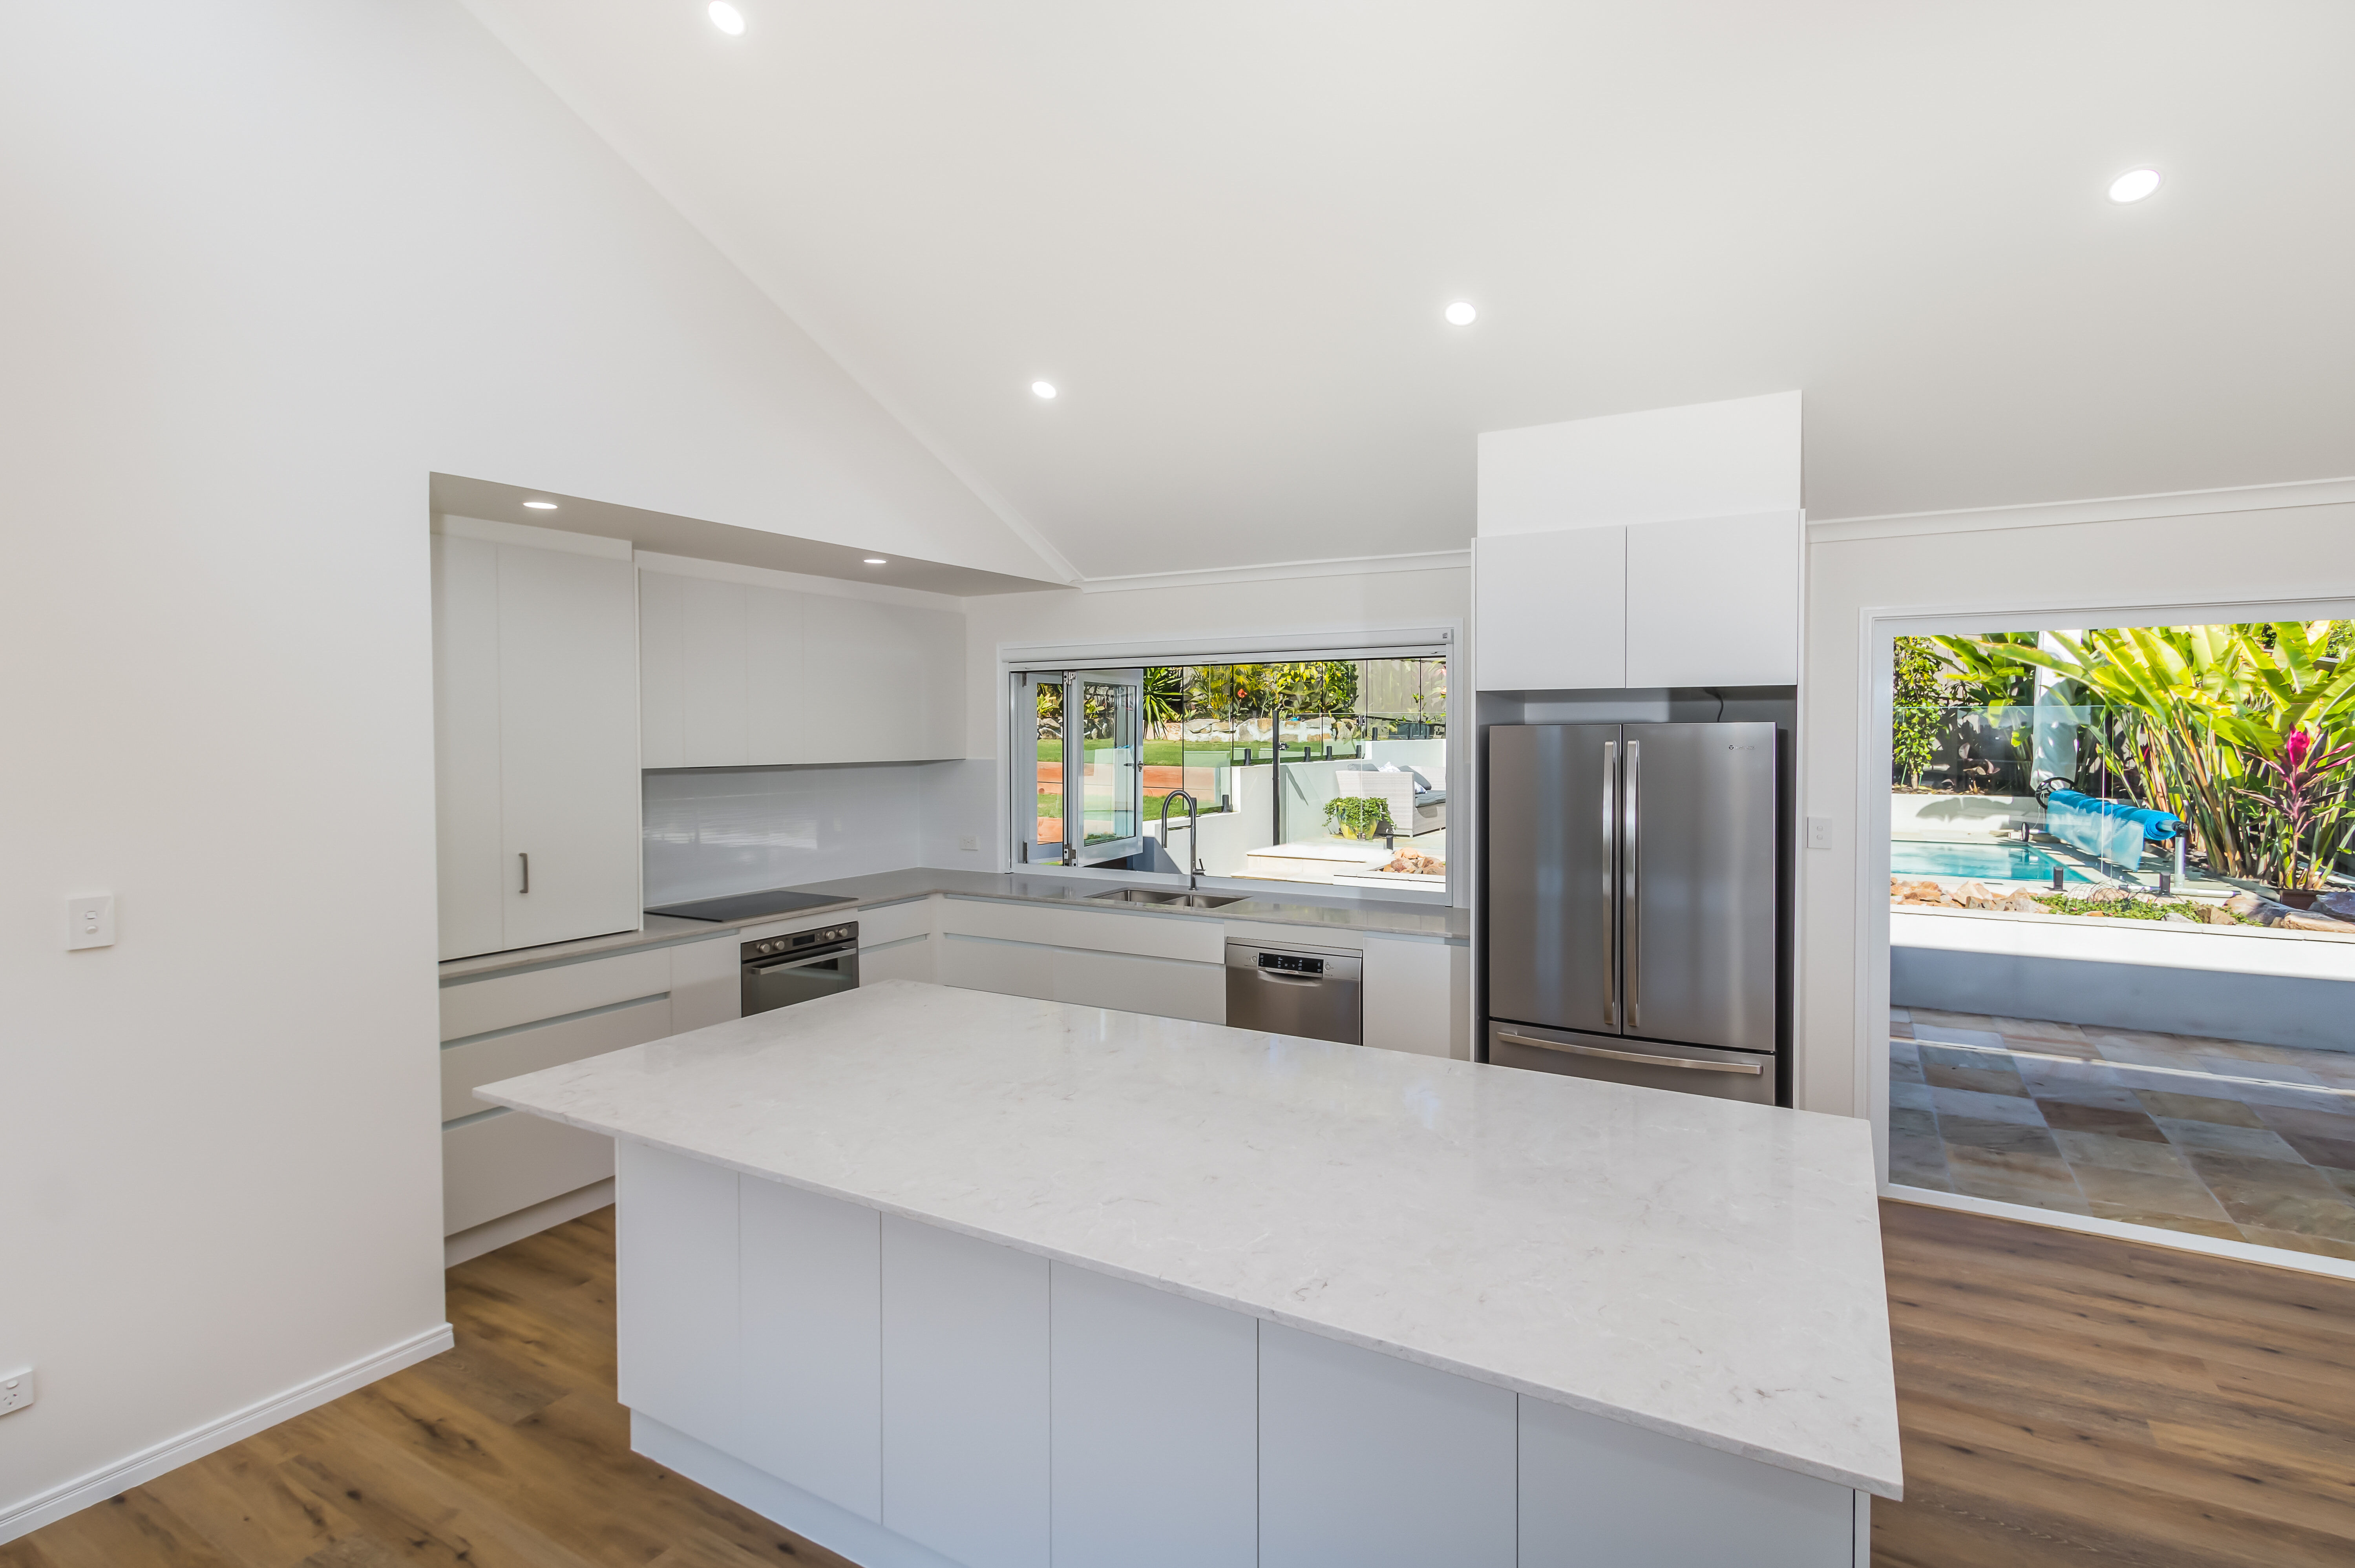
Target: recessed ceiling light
point(877, 561)
point(726, 19)
point(1044, 389)
point(2134, 185)
point(541, 505)
point(1461, 314)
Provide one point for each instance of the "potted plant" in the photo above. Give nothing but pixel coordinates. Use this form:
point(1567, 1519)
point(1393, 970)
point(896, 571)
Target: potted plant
point(1356, 816)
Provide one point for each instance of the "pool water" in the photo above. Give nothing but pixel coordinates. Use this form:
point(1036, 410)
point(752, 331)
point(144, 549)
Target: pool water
point(2006, 861)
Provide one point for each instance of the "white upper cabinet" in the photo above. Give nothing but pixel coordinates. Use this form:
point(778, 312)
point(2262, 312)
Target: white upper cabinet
point(1551, 611)
point(536, 731)
point(744, 675)
point(1659, 549)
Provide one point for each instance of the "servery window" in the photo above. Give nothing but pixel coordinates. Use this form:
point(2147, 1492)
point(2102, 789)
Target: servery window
point(1312, 771)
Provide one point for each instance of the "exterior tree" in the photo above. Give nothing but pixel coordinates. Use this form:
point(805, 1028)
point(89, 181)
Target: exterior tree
point(1916, 706)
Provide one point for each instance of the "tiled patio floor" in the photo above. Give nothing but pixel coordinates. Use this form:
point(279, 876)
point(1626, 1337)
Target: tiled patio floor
point(2221, 1137)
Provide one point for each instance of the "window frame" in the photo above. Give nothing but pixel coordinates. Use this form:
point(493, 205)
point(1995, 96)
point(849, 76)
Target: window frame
point(1022, 669)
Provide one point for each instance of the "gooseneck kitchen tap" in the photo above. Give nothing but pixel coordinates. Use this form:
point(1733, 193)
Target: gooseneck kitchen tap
point(1193, 833)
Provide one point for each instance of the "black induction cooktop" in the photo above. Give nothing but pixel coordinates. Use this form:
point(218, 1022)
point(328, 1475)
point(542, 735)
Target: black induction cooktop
point(748, 906)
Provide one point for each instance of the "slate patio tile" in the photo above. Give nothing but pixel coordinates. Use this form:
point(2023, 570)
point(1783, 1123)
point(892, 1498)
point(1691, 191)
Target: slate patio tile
point(2041, 1182)
point(1904, 1050)
point(2074, 1117)
point(1899, 1015)
point(2338, 1154)
point(1906, 1122)
point(2296, 1241)
point(2250, 1143)
point(2244, 1067)
point(1970, 1104)
point(2342, 1179)
point(2043, 1032)
point(2222, 1229)
point(2333, 1217)
point(1915, 1096)
point(2196, 1108)
point(1904, 1070)
point(1981, 1079)
point(2148, 1192)
point(1945, 1034)
point(2315, 1121)
point(2152, 1156)
point(1995, 1137)
point(1943, 1019)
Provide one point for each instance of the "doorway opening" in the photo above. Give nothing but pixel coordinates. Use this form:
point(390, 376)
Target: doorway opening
point(2120, 859)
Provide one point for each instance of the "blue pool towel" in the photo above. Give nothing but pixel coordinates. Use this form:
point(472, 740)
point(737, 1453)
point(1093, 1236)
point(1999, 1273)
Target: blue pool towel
point(2110, 828)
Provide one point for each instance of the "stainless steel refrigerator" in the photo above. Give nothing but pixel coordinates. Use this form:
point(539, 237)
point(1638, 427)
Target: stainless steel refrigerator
point(1632, 905)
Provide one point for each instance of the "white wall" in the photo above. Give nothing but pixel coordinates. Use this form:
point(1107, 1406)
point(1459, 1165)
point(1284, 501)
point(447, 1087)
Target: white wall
point(2125, 554)
point(269, 264)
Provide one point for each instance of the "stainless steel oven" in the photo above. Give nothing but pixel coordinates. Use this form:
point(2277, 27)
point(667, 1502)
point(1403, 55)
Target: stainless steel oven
point(800, 966)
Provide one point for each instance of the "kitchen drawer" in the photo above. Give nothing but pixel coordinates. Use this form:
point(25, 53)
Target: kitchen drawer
point(909, 960)
point(509, 1161)
point(1188, 938)
point(894, 922)
point(514, 1052)
point(1159, 987)
point(503, 1001)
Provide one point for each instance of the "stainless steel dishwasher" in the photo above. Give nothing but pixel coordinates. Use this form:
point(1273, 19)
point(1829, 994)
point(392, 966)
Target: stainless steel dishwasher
point(1307, 991)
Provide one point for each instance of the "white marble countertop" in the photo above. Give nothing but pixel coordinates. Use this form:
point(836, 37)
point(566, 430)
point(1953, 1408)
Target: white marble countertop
point(1694, 1266)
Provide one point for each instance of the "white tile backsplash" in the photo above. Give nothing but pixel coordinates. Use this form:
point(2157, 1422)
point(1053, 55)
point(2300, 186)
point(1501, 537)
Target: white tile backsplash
point(710, 833)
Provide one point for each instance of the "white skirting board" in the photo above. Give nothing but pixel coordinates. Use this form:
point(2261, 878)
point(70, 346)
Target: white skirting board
point(23, 1517)
point(804, 1513)
point(491, 1234)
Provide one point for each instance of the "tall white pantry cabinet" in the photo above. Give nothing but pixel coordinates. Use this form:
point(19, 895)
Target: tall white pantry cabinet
point(536, 739)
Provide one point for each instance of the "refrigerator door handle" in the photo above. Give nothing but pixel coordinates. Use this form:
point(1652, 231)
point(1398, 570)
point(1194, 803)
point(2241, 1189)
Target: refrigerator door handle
point(1632, 917)
point(1648, 1058)
point(1611, 926)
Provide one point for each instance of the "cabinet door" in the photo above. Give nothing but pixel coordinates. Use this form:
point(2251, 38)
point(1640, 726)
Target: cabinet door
point(466, 746)
point(1714, 603)
point(662, 670)
point(1596, 1491)
point(778, 725)
point(1367, 1459)
point(1155, 1408)
point(568, 744)
point(1407, 1002)
point(712, 711)
point(1551, 611)
point(965, 1395)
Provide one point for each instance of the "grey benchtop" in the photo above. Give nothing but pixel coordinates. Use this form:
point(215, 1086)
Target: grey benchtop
point(1369, 917)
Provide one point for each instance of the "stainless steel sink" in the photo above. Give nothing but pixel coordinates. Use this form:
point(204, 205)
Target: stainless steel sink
point(1156, 898)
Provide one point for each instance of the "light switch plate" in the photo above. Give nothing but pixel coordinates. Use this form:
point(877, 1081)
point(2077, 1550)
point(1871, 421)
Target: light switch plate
point(15, 1390)
point(1820, 833)
point(969, 842)
point(89, 922)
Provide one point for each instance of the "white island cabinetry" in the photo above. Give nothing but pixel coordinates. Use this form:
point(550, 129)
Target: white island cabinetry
point(1007, 1283)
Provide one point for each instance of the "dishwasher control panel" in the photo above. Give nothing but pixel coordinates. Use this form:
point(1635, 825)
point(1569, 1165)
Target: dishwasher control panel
point(1291, 963)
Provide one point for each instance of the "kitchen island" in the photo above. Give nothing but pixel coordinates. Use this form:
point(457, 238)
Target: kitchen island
point(934, 1275)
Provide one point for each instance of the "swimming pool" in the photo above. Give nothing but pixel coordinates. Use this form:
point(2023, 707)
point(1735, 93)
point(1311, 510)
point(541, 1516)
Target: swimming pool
point(2009, 862)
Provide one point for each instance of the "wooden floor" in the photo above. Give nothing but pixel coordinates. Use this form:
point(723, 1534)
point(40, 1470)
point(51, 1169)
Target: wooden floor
point(2065, 1399)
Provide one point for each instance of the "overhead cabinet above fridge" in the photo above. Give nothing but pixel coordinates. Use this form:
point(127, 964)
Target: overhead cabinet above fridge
point(1633, 917)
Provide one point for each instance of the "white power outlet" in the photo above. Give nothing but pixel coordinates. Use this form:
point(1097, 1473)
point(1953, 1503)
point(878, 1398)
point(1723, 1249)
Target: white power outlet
point(969, 842)
point(1820, 833)
point(15, 1390)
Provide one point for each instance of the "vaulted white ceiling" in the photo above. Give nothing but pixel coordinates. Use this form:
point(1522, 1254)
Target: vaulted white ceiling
point(1226, 229)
